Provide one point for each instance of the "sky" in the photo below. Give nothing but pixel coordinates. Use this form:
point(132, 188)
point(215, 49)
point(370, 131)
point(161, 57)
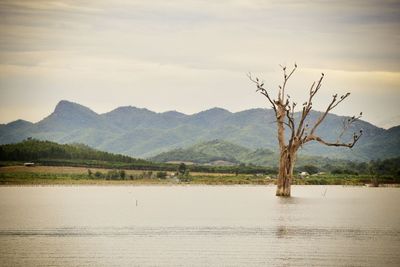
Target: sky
point(194, 55)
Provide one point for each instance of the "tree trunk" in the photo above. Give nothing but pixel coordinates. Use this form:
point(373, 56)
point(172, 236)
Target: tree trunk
point(300, 133)
point(285, 175)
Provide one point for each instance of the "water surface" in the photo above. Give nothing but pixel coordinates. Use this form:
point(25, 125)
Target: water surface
point(199, 226)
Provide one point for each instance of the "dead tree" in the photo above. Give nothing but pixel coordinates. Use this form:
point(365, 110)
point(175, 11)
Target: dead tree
point(300, 132)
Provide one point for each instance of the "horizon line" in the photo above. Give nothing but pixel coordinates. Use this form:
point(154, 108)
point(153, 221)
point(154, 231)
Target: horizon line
point(144, 108)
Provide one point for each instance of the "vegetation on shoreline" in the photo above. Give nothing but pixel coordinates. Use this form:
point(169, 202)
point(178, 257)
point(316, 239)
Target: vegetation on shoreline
point(19, 175)
point(83, 165)
point(217, 152)
point(76, 155)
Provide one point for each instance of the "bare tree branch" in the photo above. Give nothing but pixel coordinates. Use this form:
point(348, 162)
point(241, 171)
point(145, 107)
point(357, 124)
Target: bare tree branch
point(290, 117)
point(331, 106)
point(286, 77)
point(307, 106)
point(262, 90)
point(337, 144)
point(347, 122)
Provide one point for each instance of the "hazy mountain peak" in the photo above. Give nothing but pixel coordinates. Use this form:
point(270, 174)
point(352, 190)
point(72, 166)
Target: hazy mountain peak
point(212, 114)
point(129, 109)
point(174, 113)
point(69, 116)
point(215, 110)
point(19, 123)
point(67, 107)
point(64, 104)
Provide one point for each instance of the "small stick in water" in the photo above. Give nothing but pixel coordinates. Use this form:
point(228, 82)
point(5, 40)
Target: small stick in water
point(326, 189)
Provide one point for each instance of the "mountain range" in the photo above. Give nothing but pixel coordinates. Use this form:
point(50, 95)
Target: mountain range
point(142, 133)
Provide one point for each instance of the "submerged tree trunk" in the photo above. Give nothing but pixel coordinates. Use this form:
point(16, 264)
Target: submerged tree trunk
point(285, 175)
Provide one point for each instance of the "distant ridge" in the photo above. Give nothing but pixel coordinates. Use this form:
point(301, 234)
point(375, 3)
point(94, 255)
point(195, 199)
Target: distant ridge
point(219, 152)
point(140, 132)
point(206, 153)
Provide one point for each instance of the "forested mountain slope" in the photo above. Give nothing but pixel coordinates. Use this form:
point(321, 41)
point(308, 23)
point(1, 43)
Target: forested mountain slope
point(144, 133)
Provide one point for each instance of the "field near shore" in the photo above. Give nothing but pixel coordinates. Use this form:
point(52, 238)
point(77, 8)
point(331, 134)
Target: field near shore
point(63, 175)
point(43, 175)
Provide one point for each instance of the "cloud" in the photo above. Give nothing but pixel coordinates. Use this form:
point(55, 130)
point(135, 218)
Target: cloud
point(193, 54)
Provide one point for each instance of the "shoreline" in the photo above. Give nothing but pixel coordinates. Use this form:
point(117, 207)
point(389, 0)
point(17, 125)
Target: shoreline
point(75, 176)
point(127, 183)
point(116, 183)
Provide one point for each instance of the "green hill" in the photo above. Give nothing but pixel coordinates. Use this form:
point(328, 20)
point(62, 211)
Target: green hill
point(206, 153)
point(216, 152)
point(222, 152)
point(33, 150)
point(51, 153)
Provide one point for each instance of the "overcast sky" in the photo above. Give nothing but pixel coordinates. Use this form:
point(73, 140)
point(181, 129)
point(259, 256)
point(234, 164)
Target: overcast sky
point(194, 55)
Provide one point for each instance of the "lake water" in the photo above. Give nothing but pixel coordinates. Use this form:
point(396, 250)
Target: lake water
point(199, 226)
